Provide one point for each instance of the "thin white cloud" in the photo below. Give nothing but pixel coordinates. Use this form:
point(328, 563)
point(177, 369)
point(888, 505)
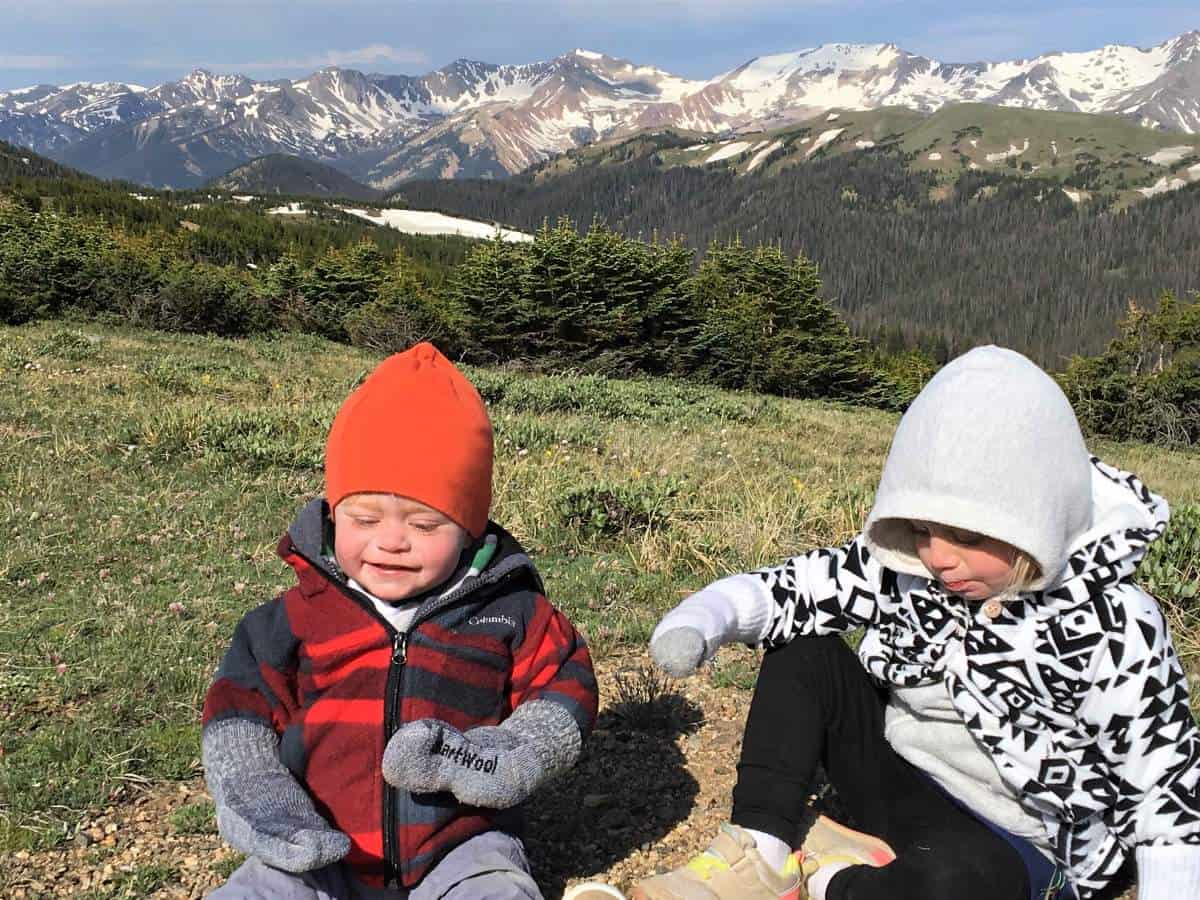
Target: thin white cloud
point(11, 61)
point(374, 53)
point(370, 55)
point(702, 10)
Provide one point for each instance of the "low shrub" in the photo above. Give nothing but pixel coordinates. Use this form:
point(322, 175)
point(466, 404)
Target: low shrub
point(606, 509)
point(1171, 570)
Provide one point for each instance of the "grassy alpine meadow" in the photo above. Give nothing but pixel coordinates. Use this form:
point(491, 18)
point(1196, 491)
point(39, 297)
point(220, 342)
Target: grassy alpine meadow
point(146, 478)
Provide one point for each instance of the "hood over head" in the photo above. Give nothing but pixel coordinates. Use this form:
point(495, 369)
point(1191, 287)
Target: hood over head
point(990, 445)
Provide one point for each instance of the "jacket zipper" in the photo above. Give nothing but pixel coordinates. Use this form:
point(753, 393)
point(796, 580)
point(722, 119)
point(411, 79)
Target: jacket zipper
point(391, 717)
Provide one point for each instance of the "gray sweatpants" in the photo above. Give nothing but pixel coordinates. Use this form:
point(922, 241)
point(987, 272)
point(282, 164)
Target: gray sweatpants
point(489, 866)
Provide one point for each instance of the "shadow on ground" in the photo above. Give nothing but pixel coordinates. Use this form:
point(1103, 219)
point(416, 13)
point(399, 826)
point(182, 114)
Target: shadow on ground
point(629, 789)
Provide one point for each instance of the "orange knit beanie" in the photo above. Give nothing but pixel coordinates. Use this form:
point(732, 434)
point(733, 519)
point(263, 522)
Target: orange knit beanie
point(416, 427)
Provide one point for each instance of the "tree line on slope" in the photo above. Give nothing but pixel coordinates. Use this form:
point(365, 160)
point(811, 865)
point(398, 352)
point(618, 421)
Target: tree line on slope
point(747, 318)
point(195, 227)
point(995, 258)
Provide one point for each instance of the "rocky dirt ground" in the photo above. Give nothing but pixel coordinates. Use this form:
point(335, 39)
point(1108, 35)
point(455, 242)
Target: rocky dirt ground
point(650, 791)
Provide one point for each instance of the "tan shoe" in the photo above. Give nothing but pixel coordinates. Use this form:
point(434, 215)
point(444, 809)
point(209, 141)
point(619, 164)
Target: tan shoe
point(828, 842)
point(730, 869)
point(593, 890)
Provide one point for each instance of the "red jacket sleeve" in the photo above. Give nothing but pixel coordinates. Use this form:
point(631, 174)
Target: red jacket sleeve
point(552, 663)
point(257, 676)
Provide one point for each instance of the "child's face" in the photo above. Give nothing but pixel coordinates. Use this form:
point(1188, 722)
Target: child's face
point(393, 546)
point(968, 564)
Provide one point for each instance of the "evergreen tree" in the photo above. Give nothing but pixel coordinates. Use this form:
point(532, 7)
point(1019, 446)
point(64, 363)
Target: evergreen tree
point(404, 312)
point(486, 287)
point(339, 283)
point(1146, 385)
point(765, 327)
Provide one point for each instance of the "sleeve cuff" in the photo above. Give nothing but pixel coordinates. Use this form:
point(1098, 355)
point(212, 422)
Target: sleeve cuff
point(736, 608)
point(1168, 871)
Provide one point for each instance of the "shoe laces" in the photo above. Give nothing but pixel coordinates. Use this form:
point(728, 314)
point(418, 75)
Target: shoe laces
point(809, 862)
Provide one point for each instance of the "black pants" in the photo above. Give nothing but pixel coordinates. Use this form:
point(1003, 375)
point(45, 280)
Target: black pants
point(814, 703)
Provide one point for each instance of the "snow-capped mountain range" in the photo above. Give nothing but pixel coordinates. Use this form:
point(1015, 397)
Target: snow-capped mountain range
point(478, 119)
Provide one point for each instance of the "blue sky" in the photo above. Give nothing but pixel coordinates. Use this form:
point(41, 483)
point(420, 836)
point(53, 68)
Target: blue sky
point(151, 41)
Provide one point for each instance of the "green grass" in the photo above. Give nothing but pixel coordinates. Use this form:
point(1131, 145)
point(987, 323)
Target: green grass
point(146, 478)
point(141, 882)
point(194, 818)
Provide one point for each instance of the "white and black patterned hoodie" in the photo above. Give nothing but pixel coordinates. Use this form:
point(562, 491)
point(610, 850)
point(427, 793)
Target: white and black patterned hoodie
point(1074, 688)
point(1076, 692)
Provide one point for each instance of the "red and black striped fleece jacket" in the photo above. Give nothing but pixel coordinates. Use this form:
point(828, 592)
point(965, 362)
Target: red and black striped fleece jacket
point(335, 680)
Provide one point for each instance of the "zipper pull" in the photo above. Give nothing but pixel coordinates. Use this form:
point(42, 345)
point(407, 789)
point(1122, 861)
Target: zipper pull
point(400, 648)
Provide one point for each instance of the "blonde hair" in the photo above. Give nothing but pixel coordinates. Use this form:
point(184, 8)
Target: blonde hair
point(1025, 571)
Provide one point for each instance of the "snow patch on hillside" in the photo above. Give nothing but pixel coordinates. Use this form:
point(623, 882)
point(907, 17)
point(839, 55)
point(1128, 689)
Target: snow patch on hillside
point(1162, 186)
point(729, 150)
point(864, 145)
point(763, 154)
point(825, 137)
point(1168, 155)
point(1013, 150)
point(412, 221)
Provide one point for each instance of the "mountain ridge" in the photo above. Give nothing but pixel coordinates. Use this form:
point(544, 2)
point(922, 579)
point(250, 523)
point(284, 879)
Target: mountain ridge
point(477, 119)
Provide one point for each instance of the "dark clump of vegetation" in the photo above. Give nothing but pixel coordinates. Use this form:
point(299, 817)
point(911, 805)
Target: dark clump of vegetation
point(1146, 385)
point(598, 302)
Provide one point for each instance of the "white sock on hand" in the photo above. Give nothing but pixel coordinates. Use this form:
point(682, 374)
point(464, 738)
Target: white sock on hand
point(818, 882)
point(773, 851)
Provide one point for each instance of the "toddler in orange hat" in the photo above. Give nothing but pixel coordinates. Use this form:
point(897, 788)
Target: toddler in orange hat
point(372, 730)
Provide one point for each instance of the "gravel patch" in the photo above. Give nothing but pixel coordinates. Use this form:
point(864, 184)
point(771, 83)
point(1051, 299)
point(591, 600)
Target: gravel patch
point(649, 792)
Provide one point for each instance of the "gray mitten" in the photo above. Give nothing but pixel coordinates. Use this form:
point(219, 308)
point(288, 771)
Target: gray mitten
point(680, 651)
point(261, 809)
point(495, 766)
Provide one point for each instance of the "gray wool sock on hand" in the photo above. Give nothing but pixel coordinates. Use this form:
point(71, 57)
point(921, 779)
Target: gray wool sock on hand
point(680, 651)
point(494, 766)
point(261, 809)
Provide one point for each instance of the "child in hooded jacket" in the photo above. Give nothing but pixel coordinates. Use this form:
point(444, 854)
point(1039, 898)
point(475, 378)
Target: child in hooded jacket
point(1016, 724)
point(373, 731)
